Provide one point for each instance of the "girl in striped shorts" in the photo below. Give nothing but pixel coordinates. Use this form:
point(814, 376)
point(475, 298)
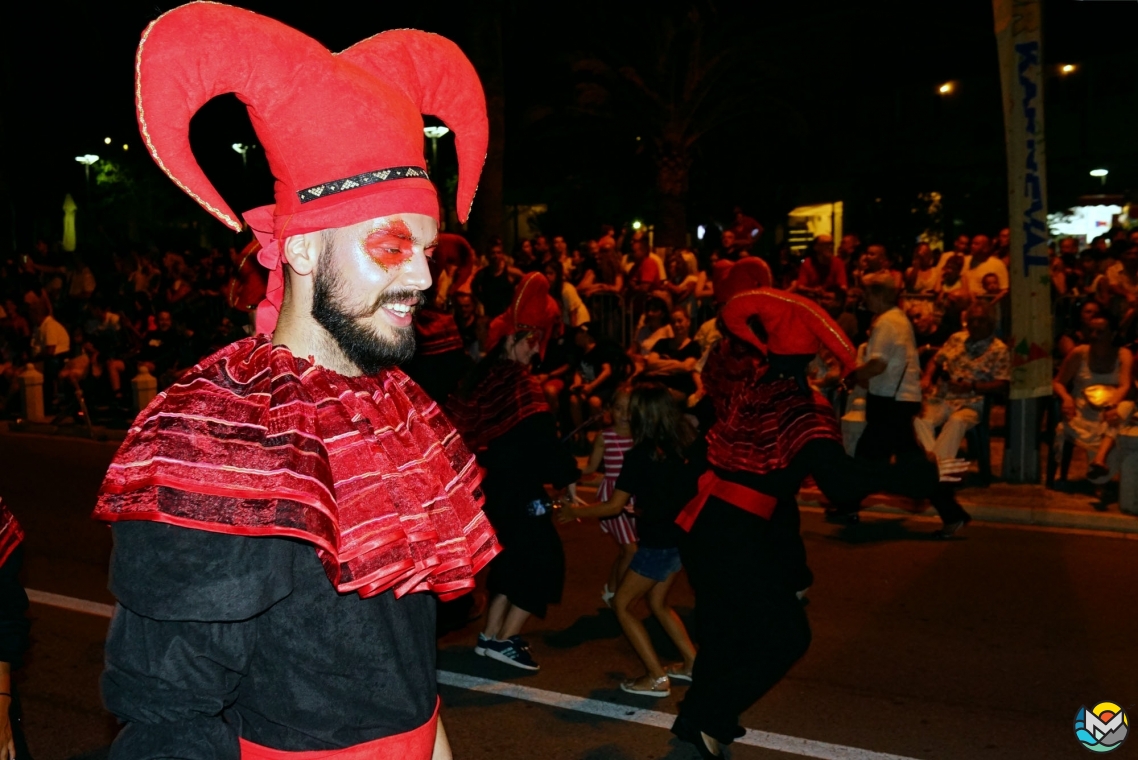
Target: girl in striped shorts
point(610, 447)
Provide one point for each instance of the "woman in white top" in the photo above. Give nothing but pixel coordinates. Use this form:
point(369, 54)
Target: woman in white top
point(1092, 386)
point(573, 310)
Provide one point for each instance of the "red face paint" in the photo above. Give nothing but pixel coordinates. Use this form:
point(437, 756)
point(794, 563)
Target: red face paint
point(390, 245)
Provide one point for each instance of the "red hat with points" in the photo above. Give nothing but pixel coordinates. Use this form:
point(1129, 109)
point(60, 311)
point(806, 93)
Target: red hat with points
point(793, 324)
point(532, 309)
point(731, 277)
point(342, 132)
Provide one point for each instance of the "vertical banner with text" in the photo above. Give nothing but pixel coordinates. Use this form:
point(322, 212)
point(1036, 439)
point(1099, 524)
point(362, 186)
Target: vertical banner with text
point(1018, 35)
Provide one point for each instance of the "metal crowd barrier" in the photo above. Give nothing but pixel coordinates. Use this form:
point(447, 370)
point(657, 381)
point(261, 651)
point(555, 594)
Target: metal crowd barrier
point(610, 315)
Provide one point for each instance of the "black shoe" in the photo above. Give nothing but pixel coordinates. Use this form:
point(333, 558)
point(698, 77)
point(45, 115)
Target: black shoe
point(685, 731)
point(950, 529)
point(1096, 471)
point(842, 517)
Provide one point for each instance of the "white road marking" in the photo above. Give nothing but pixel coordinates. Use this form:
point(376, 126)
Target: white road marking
point(778, 742)
point(70, 603)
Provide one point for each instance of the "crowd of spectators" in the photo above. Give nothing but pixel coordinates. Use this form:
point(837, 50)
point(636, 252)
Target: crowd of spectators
point(629, 310)
point(94, 325)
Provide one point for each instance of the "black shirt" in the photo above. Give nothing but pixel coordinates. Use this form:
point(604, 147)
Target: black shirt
point(217, 636)
point(592, 364)
point(668, 348)
point(520, 462)
point(662, 485)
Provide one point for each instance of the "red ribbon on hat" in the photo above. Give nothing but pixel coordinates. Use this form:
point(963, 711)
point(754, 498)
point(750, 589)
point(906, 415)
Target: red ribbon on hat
point(260, 221)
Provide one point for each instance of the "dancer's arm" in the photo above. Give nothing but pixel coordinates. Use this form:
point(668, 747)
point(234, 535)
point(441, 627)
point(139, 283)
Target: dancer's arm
point(607, 509)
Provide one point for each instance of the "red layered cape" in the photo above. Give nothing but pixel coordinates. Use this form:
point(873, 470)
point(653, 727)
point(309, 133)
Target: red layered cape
point(760, 426)
point(257, 442)
point(506, 396)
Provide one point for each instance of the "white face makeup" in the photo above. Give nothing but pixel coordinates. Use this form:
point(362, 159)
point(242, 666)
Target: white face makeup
point(370, 280)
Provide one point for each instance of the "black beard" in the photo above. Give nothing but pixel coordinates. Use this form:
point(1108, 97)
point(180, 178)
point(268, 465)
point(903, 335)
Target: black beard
point(361, 345)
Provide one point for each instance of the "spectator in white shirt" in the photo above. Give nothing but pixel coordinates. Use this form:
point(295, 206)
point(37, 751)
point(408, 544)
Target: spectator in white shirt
point(51, 344)
point(983, 263)
point(892, 371)
point(51, 338)
point(573, 310)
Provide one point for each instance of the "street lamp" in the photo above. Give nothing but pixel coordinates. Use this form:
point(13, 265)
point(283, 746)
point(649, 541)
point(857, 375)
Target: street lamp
point(947, 88)
point(1067, 68)
point(242, 149)
point(434, 133)
point(106, 141)
point(1100, 173)
point(87, 159)
point(636, 225)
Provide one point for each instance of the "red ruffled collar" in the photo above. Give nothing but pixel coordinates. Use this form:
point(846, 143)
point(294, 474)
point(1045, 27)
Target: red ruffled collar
point(506, 396)
point(257, 442)
point(760, 426)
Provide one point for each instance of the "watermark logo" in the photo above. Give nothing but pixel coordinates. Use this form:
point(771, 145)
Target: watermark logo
point(1102, 728)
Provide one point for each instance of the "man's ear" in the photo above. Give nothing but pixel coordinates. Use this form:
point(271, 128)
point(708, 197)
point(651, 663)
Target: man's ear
point(301, 252)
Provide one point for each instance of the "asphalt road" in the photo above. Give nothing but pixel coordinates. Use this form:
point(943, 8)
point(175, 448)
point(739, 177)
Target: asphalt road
point(983, 647)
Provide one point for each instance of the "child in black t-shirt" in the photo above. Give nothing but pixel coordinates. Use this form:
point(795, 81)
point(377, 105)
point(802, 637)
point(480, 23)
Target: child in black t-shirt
point(660, 472)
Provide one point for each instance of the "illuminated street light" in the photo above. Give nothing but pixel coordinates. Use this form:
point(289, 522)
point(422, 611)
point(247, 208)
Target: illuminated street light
point(1067, 68)
point(947, 88)
point(636, 225)
point(242, 149)
point(435, 133)
point(1100, 173)
point(87, 159)
point(125, 146)
point(106, 141)
point(700, 231)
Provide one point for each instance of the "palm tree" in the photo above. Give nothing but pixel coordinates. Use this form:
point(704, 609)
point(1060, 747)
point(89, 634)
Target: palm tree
point(674, 78)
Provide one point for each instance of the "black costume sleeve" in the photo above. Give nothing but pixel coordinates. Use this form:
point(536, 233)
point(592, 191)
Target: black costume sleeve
point(845, 479)
point(182, 635)
point(14, 623)
point(170, 682)
point(169, 573)
point(543, 452)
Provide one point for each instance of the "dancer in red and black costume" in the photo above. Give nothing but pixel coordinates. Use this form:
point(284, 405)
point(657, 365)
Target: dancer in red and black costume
point(744, 555)
point(502, 414)
point(286, 514)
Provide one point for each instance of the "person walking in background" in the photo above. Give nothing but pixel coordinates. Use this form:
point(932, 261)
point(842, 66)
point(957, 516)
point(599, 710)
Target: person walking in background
point(893, 372)
point(609, 448)
point(502, 415)
point(660, 471)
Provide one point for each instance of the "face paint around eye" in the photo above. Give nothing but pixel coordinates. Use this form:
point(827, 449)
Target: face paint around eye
point(390, 245)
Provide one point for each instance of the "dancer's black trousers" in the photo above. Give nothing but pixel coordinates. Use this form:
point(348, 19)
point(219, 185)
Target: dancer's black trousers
point(750, 625)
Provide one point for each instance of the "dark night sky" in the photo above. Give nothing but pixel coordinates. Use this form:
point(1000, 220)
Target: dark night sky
point(860, 78)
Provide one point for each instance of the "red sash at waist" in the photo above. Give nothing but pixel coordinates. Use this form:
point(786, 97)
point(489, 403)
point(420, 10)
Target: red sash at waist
point(416, 744)
point(747, 499)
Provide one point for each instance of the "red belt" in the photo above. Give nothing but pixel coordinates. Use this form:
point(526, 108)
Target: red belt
point(416, 744)
point(747, 499)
